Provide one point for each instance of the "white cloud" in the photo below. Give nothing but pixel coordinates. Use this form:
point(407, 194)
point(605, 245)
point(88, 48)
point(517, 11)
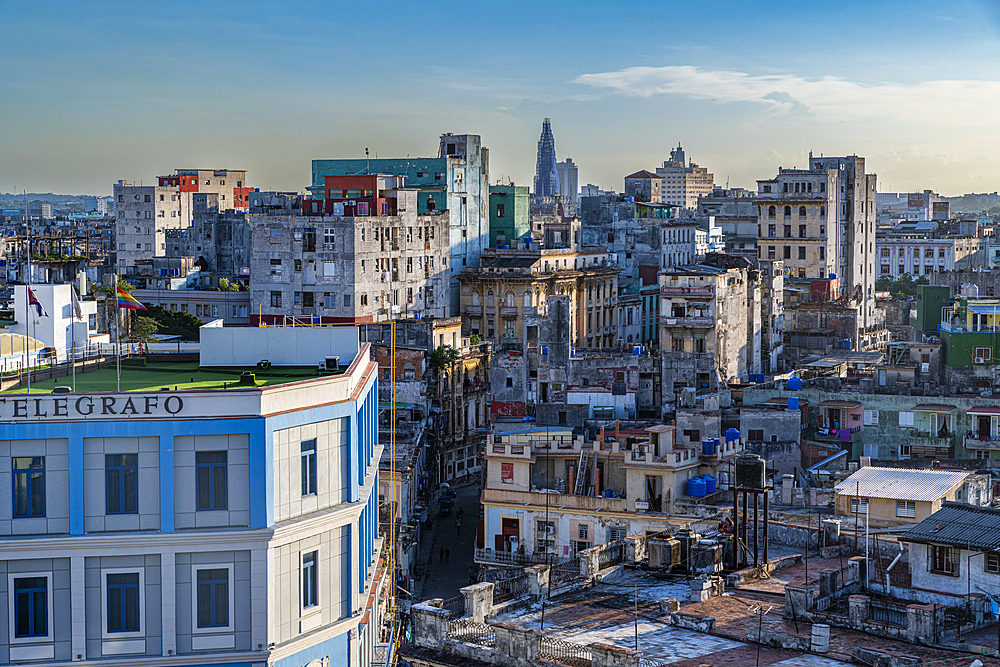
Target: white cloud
point(952, 102)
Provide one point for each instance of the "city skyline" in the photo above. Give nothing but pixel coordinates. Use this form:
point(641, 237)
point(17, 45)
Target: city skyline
point(92, 97)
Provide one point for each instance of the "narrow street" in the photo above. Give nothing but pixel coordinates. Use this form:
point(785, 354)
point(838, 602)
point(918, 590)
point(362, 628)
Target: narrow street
point(444, 579)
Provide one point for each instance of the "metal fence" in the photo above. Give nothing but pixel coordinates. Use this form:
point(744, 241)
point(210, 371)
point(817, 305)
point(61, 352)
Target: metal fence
point(468, 631)
point(900, 575)
point(610, 554)
point(564, 653)
point(455, 605)
point(510, 589)
point(888, 612)
point(564, 573)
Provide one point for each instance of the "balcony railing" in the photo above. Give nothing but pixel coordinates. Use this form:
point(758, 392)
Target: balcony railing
point(686, 291)
point(474, 311)
point(706, 322)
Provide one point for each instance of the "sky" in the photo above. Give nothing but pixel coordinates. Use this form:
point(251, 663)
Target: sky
point(94, 92)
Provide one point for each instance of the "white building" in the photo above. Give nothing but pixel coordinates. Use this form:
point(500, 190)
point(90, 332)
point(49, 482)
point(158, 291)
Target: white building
point(569, 179)
point(683, 182)
point(923, 256)
point(59, 329)
point(187, 527)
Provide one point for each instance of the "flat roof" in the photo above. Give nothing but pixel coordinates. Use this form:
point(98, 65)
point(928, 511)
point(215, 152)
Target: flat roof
point(184, 376)
point(900, 483)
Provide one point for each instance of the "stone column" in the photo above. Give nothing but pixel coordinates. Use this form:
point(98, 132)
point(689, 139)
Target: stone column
point(920, 623)
point(168, 602)
point(430, 624)
point(857, 610)
point(538, 580)
point(78, 604)
point(787, 486)
point(831, 532)
point(799, 600)
point(518, 643)
point(478, 601)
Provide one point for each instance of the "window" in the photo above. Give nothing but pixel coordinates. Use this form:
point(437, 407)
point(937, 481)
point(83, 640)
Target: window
point(770, 231)
point(123, 601)
point(787, 252)
point(507, 473)
point(871, 417)
point(310, 580)
point(501, 210)
point(942, 560)
point(31, 609)
point(993, 563)
point(983, 355)
point(861, 508)
point(275, 300)
point(29, 486)
point(275, 267)
point(330, 238)
point(213, 598)
point(617, 534)
point(308, 465)
point(329, 300)
point(788, 231)
point(121, 473)
point(755, 435)
point(904, 451)
point(583, 531)
point(802, 252)
point(802, 211)
point(510, 382)
point(297, 265)
point(906, 419)
point(213, 491)
point(802, 231)
point(308, 300)
point(906, 508)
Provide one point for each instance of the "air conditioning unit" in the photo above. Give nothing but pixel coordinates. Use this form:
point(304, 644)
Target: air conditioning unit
point(980, 360)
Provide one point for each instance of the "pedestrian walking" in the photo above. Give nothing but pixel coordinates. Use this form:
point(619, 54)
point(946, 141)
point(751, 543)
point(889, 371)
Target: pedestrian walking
point(447, 555)
point(458, 526)
point(461, 511)
point(441, 554)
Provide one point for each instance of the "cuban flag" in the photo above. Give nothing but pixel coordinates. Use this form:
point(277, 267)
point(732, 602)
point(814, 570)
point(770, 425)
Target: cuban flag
point(33, 301)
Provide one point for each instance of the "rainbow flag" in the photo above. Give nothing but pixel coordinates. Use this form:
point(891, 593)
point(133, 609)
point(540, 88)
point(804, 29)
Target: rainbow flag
point(127, 301)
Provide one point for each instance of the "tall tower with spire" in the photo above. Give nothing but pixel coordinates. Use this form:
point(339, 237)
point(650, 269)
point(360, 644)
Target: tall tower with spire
point(546, 175)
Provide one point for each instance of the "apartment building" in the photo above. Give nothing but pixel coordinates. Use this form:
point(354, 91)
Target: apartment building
point(683, 182)
point(549, 494)
point(351, 269)
point(198, 526)
point(229, 185)
point(922, 256)
point(456, 181)
point(643, 186)
point(735, 213)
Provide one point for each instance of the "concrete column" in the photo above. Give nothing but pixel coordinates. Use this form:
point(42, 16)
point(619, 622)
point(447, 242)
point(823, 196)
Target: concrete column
point(857, 610)
point(168, 602)
point(921, 623)
point(430, 624)
point(520, 644)
point(831, 532)
point(538, 580)
point(166, 483)
point(799, 601)
point(478, 601)
point(607, 655)
point(78, 602)
point(260, 577)
point(787, 485)
point(76, 491)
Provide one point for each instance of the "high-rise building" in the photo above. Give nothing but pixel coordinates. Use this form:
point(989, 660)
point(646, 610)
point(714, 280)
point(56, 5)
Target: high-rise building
point(684, 182)
point(546, 174)
point(569, 181)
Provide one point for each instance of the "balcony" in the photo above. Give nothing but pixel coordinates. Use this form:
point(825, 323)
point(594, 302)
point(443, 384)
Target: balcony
point(971, 442)
point(508, 311)
point(686, 291)
point(564, 501)
point(698, 322)
point(474, 311)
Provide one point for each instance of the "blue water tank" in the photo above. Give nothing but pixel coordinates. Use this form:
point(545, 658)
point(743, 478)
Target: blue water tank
point(545, 349)
point(847, 343)
point(732, 434)
point(708, 447)
point(793, 402)
point(696, 487)
point(709, 484)
point(833, 275)
point(794, 384)
point(572, 351)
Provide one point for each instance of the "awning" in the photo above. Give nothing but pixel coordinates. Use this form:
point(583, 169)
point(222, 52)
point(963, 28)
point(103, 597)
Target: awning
point(984, 410)
point(934, 407)
point(839, 404)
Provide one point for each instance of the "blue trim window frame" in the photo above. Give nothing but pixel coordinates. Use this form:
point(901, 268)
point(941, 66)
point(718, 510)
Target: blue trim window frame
point(29, 486)
point(310, 579)
point(211, 480)
point(31, 606)
point(124, 608)
point(308, 466)
point(212, 598)
point(121, 473)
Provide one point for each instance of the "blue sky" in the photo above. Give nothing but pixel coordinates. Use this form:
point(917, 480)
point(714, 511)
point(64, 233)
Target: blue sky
point(95, 92)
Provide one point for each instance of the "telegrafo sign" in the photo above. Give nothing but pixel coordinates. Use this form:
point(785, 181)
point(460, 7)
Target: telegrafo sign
point(75, 406)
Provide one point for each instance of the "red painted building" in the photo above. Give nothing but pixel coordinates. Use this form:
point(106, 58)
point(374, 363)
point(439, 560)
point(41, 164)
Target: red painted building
point(356, 195)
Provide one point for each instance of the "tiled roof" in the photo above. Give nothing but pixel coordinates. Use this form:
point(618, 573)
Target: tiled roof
point(900, 483)
point(960, 525)
point(644, 174)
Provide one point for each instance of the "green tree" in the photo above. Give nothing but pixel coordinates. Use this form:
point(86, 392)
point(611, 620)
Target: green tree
point(176, 323)
point(226, 285)
point(143, 328)
point(443, 356)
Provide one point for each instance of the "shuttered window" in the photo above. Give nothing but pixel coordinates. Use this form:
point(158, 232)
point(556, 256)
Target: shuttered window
point(906, 508)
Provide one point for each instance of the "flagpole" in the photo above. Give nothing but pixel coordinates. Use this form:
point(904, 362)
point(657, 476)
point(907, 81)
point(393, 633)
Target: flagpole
point(118, 341)
point(27, 292)
point(72, 336)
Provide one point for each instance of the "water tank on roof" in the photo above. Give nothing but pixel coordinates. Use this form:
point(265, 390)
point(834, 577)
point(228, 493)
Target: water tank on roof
point(793, 402)
point(708, 447)
point(794, 384)
point(696, 487)
point(732, 434)
point(709, 484)
point(833, 276)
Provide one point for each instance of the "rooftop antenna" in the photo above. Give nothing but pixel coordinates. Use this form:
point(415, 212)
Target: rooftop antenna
point(368, 164)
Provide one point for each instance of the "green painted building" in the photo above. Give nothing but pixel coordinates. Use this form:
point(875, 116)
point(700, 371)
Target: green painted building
point(930, 300)
point(510, 214)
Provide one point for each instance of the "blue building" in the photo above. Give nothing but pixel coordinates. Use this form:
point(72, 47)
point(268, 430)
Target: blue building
point(546, 172)
point(223, 521)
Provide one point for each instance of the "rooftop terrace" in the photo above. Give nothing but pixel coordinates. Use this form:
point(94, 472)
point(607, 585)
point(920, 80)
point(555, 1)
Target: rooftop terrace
point(178, 376)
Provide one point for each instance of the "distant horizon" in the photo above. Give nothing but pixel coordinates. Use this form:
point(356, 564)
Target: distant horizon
point(131, 91)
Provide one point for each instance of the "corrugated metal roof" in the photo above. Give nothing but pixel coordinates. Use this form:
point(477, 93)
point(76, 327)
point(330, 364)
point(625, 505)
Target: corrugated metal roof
point(959, 524)
point(934, 407)
point(901, 483)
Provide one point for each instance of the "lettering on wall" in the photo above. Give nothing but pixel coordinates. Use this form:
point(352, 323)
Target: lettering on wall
point(52, 406)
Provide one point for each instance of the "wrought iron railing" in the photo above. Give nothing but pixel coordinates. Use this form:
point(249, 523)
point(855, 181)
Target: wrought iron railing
point(468, 631)
point(564, 573)
point(510, 589)
point(564, 653)
point(610, 554)
point(455, 605)
point(888, 612)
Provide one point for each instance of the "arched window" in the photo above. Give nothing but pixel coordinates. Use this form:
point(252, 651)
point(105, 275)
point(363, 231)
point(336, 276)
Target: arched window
point(802, 211)
point(788, 210)
point(476, 299)
point(489, 298)
point(822, 211)
point(770, 211)
point(527, 299)
point(509, 301)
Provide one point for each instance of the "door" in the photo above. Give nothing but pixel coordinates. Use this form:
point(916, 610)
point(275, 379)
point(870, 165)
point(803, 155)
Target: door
point(984, 427)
